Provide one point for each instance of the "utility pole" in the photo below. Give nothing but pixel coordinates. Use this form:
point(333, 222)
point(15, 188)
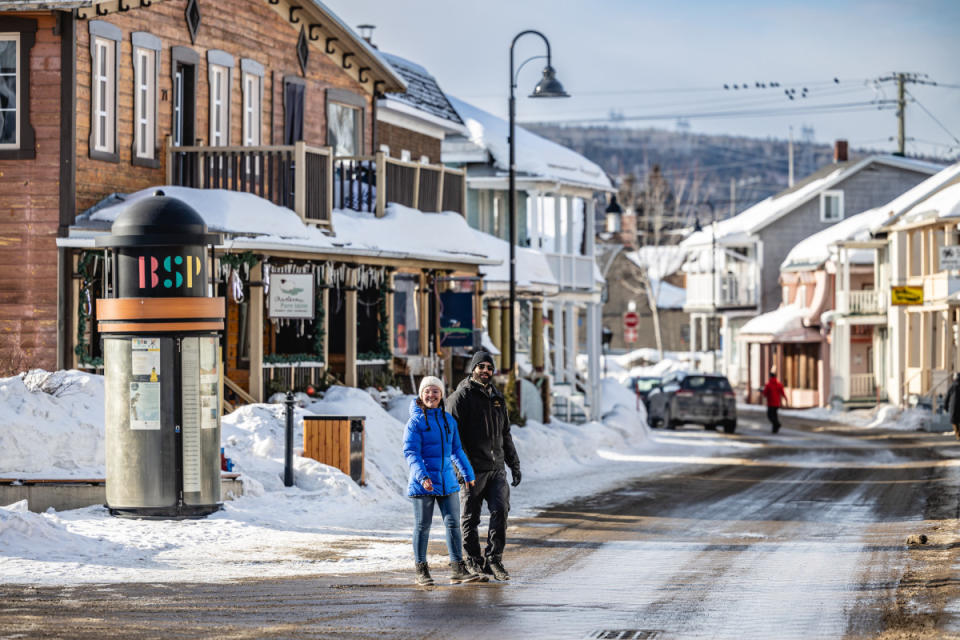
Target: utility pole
point(901, 115)
point(733, 197)
point(790, 160)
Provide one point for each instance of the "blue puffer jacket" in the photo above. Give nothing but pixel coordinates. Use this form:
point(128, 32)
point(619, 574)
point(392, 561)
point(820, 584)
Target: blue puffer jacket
point(431, 445)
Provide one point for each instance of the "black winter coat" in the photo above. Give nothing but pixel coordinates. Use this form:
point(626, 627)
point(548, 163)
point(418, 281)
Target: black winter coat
point(952, 401)
point(484, 426)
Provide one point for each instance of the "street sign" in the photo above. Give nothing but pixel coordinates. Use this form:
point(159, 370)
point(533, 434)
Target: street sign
point(906, 295)
point(630, 335)
point(950, 257)
point(631, 319)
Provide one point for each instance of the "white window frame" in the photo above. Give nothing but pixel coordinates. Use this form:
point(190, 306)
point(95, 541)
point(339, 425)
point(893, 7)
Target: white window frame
point(252, 110)
point(219, 105)
point(103, 94)
point(18, 92)
point(145, 109)
point(824, 197)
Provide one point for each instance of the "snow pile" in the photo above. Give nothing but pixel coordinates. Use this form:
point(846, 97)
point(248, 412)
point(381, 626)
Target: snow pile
point(883, 416)
point(52, 425)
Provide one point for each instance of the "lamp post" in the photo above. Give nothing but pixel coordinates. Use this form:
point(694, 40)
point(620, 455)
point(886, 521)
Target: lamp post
point(548, 87)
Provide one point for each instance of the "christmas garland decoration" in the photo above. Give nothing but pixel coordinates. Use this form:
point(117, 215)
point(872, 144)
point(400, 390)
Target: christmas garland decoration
point(87, 270)
point(236, 260)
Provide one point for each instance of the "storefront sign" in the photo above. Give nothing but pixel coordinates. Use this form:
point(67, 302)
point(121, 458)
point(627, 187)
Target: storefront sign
point(950, 257)
point(456, 319)
point(292, 295)
point(906, 295)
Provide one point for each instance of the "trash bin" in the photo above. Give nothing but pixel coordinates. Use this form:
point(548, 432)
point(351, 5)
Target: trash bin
point(161, 363)
point(337, 441)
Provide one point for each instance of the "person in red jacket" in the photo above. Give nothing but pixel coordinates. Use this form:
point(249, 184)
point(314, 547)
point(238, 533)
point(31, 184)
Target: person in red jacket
point(773, 392)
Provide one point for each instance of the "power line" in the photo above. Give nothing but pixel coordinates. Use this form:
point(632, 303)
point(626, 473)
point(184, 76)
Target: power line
point(932, 117)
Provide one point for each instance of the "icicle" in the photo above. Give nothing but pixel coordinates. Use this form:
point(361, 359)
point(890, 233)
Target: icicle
point(236, 286)
point(266, 278)
point(89, 302)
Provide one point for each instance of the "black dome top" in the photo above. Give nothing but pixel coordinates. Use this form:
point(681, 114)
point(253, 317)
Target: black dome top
point(158, 220)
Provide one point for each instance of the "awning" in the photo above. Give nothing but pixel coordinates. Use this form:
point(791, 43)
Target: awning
point(780, 325)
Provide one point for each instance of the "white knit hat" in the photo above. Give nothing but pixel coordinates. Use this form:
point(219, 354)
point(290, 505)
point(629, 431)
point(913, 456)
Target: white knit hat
point(430, 381)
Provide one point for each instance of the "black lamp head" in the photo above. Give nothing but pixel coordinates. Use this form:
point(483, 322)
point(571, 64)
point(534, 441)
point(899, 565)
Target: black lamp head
point(549, 86)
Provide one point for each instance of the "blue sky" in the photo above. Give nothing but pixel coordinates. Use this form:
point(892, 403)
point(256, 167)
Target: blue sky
point(671, 59)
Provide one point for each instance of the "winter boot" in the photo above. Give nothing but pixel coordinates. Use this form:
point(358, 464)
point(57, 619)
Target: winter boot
point(475, 567)
point(423, 575)
point(496, 568)
point(461, 574)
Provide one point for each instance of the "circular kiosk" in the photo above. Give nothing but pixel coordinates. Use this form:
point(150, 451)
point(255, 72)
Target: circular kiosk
point(161, 353)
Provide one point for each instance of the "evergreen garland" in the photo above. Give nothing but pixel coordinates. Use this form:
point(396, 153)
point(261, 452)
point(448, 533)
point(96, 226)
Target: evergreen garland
point(85, 268)
point(236, 259)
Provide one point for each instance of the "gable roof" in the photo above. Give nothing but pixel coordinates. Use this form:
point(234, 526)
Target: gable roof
point(761, 215)
point(535, 156)
point(815, 250)
point(423, 92)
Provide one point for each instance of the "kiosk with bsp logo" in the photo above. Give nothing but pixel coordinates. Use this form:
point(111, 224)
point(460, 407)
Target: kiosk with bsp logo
point(161, 353)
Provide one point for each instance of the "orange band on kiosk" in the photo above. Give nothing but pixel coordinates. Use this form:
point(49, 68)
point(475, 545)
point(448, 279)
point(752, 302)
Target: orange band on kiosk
point(148, 315)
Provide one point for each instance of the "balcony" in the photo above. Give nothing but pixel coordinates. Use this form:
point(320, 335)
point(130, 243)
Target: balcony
point(704, 290)
point(867, 302)
point(863, 385)
point(572, 272)
point(313, 183)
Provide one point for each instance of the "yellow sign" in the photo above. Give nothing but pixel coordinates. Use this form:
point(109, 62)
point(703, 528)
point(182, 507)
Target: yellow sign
point(906, 295)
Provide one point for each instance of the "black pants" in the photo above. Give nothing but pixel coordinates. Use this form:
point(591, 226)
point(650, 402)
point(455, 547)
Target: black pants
point(492, 487)
point(773, 418)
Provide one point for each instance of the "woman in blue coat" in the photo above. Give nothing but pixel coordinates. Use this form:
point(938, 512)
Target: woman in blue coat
point(431, 445)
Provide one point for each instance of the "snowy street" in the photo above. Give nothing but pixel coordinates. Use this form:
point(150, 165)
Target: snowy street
point(797, 535)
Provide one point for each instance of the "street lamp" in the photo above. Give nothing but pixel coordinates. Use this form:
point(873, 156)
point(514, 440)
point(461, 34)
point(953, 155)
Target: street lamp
point(548, 87)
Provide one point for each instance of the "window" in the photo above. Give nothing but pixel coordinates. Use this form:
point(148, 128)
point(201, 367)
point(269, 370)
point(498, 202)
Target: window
point(104, 44)
point(219, 67)
point(345, 122)
point(252, 102)
point(146, 71)
point(831, 206)
point(9, 90)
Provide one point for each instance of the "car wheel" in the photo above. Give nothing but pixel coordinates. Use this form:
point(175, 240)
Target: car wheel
point(729, 426)
point(710, 426)
point(651, 421)
point(668, 421)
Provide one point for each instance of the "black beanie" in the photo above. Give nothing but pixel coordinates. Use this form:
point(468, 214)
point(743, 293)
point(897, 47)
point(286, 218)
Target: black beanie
point(478, 357)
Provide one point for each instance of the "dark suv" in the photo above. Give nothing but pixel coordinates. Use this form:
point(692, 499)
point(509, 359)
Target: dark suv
point(700, 398)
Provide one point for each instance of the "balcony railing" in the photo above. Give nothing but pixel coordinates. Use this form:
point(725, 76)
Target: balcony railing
point(368, 183)
point(313, 183)
point(572, 271)
point(293, 176)
point(863, 385)
point(865, 302)
point(726, 291)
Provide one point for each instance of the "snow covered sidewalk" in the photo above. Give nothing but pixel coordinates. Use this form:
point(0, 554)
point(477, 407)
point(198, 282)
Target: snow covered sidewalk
point(52, 425)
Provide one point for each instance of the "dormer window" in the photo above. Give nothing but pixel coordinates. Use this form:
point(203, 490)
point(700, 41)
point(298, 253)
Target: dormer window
point(831, 206)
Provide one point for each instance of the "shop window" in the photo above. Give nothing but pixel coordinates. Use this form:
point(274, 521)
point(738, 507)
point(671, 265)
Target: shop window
point(406, 316)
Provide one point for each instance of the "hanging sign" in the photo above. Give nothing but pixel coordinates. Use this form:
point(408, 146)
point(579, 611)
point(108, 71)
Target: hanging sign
point(292, 295)
point(906, 295)
point(950, 257)
point(456, 319)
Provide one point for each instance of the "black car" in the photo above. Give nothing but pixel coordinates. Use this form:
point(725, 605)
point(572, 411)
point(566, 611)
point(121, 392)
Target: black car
point(642, 385)
point(699, 398)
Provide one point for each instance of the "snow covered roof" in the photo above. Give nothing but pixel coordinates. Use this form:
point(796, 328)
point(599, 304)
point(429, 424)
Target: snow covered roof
point(423, 92)
point(251, 222)
point(943, 204)
point(659, 261)
point(740, 227)
point(783, 325)
point(668, 296)
point(815, 250)
point(535, 156)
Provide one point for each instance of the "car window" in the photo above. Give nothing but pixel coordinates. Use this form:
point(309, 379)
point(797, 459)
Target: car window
point(645, 384)
point(706, 383)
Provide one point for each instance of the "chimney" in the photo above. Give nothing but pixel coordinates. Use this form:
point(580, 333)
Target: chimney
point(366, 32)
point(840, 151)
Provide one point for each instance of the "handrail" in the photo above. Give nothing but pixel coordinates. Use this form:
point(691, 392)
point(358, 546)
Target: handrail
point(237, 389)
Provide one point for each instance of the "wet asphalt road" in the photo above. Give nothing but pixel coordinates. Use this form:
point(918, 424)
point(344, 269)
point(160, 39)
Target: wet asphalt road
point(799, 535)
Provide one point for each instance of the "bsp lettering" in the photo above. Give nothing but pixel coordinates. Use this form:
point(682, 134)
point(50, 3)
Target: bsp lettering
point(170, 272)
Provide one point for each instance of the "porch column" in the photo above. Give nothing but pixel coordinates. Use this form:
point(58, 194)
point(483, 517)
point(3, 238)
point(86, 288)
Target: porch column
point(505, 336)
point(589, 216)
point(845, 259)
point(557, 224)
point(423, 297)
point(693, 335)
point(536, 336)
point(570, 324)
point(558, 341)
point(571, 216)
point(594, 318)
point(944, 328)
point(256, 333)
point(493, 329)
point(705, 338)
point(350, 346)
point(391, 338)
point(325, 327)
point(533, 218)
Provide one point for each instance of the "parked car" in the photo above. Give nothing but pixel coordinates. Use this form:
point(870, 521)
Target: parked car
point(642, 385)
point(699, 398)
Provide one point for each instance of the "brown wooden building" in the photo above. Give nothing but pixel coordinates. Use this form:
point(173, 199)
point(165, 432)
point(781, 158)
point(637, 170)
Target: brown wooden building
point(270, 97)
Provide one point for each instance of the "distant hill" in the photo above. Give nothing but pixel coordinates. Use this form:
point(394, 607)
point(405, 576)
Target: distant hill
point(757, 166)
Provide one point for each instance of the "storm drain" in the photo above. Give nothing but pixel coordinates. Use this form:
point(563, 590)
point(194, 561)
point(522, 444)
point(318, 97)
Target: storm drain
point(625, 634)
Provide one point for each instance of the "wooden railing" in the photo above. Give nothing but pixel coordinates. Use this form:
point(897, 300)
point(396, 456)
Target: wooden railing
point(863, 385)
point(298, 176)
point(865, 302)
point(368, 183)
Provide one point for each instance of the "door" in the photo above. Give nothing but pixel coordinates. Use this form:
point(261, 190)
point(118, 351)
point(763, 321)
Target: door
point(293, 105)
point(183, 128)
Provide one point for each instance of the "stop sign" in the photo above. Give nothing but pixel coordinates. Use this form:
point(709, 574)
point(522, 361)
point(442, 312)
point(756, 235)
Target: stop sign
point(631, 319)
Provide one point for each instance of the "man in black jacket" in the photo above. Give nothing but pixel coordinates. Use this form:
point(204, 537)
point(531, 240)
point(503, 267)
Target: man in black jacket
point(481, 413)
point(952, 404)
